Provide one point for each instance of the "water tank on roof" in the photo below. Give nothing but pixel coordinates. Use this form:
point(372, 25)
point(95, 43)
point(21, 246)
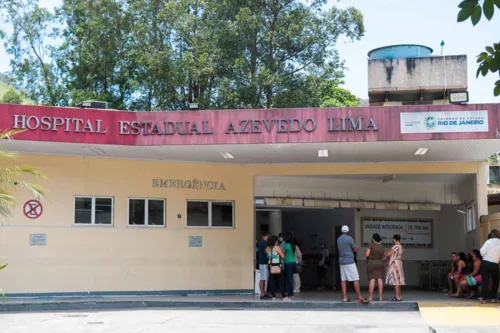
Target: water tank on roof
point(400, 51)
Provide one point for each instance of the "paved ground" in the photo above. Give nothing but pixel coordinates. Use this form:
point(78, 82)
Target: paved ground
point(216, 321)
point(438, 314)
point(447, 319)
point(308, 296)
point(305, 300)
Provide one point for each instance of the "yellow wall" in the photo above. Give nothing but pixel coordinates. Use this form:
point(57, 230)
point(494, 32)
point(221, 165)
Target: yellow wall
point(121, 258)
point(107, 258)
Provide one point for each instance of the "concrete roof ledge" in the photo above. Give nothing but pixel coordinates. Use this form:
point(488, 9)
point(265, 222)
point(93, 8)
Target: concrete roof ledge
point(490, 218)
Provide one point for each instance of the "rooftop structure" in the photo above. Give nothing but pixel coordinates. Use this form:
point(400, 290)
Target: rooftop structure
point(410, 75)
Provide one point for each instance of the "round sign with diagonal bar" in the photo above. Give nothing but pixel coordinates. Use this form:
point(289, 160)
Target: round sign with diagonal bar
point(33, 209)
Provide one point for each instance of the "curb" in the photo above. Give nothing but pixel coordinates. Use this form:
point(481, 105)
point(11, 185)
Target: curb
point(123, 305)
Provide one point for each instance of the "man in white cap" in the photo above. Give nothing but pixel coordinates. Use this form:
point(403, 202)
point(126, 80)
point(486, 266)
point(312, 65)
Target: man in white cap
point(348, 269)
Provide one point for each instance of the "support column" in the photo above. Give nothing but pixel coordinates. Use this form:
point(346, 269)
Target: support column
point(481, 199)
point(275, 223)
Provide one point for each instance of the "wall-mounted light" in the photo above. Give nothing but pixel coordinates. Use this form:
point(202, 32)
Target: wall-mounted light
point(260, 201)
point(323, 153)
point(421, 151)
point(388, 178)
point(227, 155)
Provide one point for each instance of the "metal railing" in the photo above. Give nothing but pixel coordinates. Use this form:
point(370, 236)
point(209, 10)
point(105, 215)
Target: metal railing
point(434, 274)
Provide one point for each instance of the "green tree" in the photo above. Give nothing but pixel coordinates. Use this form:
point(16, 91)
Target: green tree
point(165, 54)
point(95, 53)
point(32, 63)
point(12, 97)
point(281, 42)
point(338, 97)
point(488, 61)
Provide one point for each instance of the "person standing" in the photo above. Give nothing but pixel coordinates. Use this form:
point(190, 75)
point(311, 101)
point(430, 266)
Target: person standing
point(395, 274)
point(324, 258)
point(281, 240)
point(489, 266)
point(348, 269)
point(298, 262)
point(375, 265)
point(290, 266)
point(276, 256)
point(263, 264)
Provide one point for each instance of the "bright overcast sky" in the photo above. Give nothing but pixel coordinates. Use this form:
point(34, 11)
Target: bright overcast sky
point(426, 22)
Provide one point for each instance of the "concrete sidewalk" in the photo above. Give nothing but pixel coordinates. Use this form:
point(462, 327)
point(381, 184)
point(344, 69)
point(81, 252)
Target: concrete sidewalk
point(213, 321)
point(327, 300)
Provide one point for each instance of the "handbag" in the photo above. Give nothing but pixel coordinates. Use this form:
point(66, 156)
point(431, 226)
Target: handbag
point(470, 281)
point(275, 264)
point(275, 269)
point(298, 269)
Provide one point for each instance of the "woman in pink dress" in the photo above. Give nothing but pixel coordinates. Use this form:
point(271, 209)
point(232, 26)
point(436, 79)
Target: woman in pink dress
point(395, 275)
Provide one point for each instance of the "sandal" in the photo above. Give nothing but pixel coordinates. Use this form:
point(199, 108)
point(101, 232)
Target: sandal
point(346, 300)
point(363, 301)
point(394, 299)
point(494, 301)
point(482, 301)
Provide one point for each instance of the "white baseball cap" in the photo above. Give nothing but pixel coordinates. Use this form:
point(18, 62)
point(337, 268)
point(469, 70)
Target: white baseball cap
point(345, 228)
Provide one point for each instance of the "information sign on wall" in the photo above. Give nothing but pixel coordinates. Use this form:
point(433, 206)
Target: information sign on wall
point(195, 241)
point(38, 239)
point(444, 122)
point(413, 232)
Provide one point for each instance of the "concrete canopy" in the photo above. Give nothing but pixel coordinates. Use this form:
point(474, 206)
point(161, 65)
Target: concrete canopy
point(274, 136)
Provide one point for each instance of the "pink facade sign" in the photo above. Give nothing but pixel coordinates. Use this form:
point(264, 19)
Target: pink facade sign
point(365, 124)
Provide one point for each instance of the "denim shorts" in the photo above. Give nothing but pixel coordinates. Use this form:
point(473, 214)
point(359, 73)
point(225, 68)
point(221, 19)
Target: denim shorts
point(264, 272)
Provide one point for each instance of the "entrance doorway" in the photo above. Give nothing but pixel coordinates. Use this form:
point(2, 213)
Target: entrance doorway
point(310, 227)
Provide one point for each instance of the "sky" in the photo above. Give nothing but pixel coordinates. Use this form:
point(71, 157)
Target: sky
point(426, 22)
point(387, 22)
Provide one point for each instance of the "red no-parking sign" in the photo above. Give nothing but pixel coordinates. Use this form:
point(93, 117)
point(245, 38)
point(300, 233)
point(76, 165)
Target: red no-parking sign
point(33, 209)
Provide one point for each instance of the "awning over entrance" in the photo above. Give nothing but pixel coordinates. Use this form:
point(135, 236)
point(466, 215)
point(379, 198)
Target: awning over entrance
point(275, 136)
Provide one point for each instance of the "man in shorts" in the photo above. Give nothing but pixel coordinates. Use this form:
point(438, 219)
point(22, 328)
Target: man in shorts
point(263, 262)
point(348, 269)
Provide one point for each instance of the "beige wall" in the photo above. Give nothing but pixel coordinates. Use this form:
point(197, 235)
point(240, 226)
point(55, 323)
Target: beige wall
point(121, 258)
point(116, 258)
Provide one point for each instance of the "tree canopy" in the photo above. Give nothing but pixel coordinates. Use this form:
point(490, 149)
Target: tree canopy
point(12, 97)
point(489, 61)
point(165, 54)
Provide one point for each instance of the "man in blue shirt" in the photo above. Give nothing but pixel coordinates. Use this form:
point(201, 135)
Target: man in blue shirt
point(263, 262)
point(348, 269)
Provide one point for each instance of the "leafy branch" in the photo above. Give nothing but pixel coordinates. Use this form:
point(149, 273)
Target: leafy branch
point(488, 61)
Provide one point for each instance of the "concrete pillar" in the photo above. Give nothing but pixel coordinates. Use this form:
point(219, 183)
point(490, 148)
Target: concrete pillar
point(481, 198)
point(275, 223)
